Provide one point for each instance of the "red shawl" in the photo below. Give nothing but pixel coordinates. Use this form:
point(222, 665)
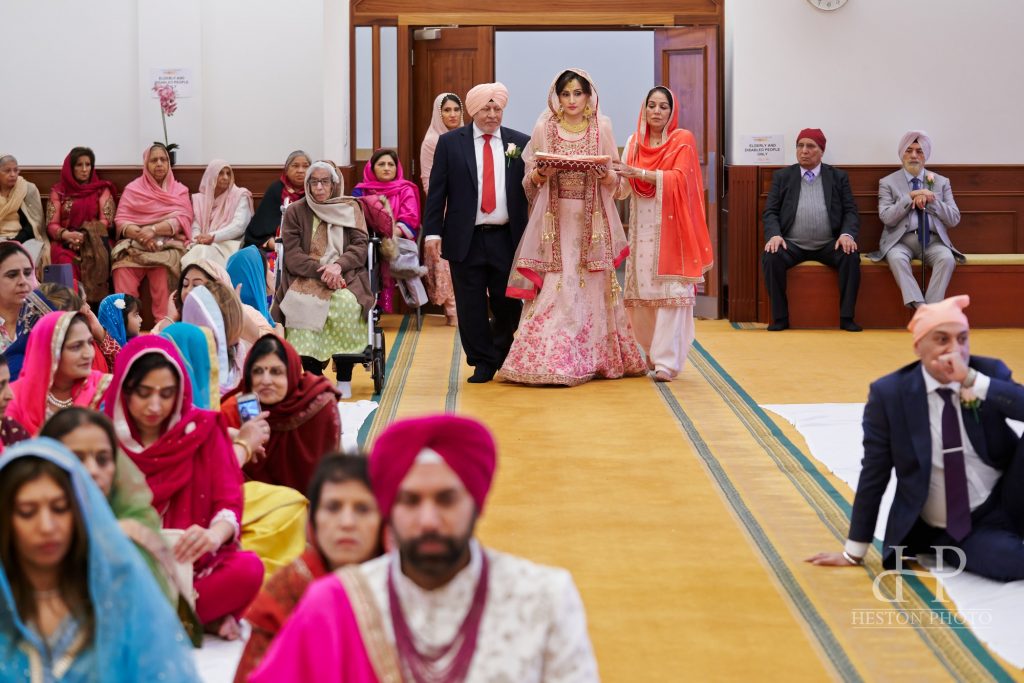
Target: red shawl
point(275, 604)
point(303, 427)
point(402, 194)
point(145, 201)
point(191, 468)
point(685, 246)
point(85, 196)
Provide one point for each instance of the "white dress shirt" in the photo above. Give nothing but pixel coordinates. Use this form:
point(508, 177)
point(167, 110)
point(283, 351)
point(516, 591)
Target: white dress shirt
point(981, 478)
point(500, 214)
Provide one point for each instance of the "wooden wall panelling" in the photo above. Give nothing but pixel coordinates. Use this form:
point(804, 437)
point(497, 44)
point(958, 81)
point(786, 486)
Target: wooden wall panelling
point(742, 230)
point(538, 12)
point(991, 203)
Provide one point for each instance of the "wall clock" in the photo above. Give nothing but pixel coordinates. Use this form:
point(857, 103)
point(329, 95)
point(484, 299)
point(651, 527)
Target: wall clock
point(827, 5)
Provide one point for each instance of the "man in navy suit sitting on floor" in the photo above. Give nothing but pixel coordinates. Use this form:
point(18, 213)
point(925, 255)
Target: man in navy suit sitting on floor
point(941, 424)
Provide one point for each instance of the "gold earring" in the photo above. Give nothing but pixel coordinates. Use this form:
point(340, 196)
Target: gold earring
point(561, 112)
point(587, 112)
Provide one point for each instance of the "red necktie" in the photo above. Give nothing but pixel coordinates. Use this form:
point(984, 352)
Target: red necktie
point(487, 199)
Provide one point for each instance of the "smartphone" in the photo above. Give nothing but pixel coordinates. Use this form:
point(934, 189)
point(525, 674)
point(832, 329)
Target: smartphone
point(248, 407)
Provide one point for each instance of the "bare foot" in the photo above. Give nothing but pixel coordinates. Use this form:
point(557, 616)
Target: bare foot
point(229, 629)
point(662, 376)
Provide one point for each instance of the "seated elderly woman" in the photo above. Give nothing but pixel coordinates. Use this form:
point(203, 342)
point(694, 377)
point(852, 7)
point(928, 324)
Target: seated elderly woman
point(383, 175)
point(154, 222)
point(222, 211)
point(302, 413)
point(345, 528)
point(21, 209)
point(78, 603)
point(190, 466)
point(323, 296)
point(79, 219)
point(90, 436)
point(265, 225)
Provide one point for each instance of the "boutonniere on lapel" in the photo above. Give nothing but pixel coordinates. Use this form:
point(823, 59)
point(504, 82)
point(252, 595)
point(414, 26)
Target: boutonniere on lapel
point(512, 152)
point(970, 401)
point(929, 180)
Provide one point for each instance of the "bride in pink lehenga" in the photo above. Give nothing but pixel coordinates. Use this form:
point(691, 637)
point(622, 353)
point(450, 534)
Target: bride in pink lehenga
point(574, 326)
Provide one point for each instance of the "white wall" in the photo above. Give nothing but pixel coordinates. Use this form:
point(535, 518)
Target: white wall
point(269, 78)
point(850, 72)
point(620, 62)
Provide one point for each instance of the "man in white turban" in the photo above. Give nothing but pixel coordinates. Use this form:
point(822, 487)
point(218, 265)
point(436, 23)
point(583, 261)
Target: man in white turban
point(474, 218)
point(917, 208)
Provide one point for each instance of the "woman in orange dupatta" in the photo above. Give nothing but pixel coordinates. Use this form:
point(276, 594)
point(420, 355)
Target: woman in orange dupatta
point(58, 371)
point(669, 246)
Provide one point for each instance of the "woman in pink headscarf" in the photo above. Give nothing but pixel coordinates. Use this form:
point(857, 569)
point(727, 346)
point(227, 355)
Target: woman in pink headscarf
point(574, 326)
point(447, 115)
point(222, 212)
point(58, 371)
point(154, 222)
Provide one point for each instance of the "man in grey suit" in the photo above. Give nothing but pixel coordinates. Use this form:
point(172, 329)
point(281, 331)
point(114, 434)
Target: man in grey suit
point(918, 210)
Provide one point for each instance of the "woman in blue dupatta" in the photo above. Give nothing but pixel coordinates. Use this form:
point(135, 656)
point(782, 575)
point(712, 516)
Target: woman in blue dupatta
point(198, 348)
point(247, 268)
point(79, 604)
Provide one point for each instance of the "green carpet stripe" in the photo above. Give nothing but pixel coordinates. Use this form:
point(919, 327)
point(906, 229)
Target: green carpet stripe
point(399, 361)
point(451, 400)
point(957, 648)
point(833, 650)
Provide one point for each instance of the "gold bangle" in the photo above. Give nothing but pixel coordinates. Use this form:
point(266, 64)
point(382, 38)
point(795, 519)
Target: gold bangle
point(246, 447)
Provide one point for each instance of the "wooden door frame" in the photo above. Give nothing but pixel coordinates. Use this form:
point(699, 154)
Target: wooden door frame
point(532, 15)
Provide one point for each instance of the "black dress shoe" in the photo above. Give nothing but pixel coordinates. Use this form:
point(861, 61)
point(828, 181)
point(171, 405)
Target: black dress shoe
point(481, 375)
point(850, 326)
point(778, 326)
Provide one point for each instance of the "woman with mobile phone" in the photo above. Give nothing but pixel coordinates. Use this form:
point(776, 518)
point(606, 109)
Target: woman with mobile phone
point(302, 412)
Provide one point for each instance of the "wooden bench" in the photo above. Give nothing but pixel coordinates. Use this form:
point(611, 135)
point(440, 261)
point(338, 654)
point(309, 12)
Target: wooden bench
point(995, 283)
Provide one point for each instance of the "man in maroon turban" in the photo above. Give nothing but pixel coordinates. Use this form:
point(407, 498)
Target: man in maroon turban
point(810, 215)
point(439, 606)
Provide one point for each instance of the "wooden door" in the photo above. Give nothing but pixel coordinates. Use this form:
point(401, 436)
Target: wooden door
point(453, 62)
point(687, 61)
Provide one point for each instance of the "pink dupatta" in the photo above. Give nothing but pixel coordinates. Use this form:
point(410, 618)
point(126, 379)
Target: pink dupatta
point(214, 212)
point(145, 201)
point(331, 637)
point(402, 195)
point(42, 355)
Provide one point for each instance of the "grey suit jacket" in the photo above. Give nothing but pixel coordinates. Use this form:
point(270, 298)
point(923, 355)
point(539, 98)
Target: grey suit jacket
point(894, 208)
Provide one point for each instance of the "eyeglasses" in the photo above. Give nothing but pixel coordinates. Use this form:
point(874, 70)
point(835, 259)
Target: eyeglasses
point(317, 181)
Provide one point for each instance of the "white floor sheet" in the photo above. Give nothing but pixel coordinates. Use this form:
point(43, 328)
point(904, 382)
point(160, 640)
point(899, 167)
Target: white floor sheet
point(835, 438)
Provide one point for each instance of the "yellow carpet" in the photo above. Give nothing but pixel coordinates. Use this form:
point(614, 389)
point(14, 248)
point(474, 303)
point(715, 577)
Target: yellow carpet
point(682, 511)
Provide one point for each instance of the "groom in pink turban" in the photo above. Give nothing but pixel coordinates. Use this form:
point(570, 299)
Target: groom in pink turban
point(475, 214)
point(940, 423)
point(439, 607)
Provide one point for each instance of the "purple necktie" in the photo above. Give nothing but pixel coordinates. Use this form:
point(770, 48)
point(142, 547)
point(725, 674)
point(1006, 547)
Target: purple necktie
point(958, 504)
point(923, 235)
point(809, 176)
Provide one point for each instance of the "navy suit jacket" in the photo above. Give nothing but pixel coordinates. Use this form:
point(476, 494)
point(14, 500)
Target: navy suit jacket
point(897, 434)
point(784, 195)
point(452, 201)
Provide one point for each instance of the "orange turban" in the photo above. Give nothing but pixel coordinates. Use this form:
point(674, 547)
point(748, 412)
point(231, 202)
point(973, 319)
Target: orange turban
point(465, 445)
point(929, 316)
point(480, 95)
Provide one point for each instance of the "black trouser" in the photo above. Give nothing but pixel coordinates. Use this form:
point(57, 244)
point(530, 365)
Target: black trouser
point(316, 367)
point(776, 265)
point(479, 279)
